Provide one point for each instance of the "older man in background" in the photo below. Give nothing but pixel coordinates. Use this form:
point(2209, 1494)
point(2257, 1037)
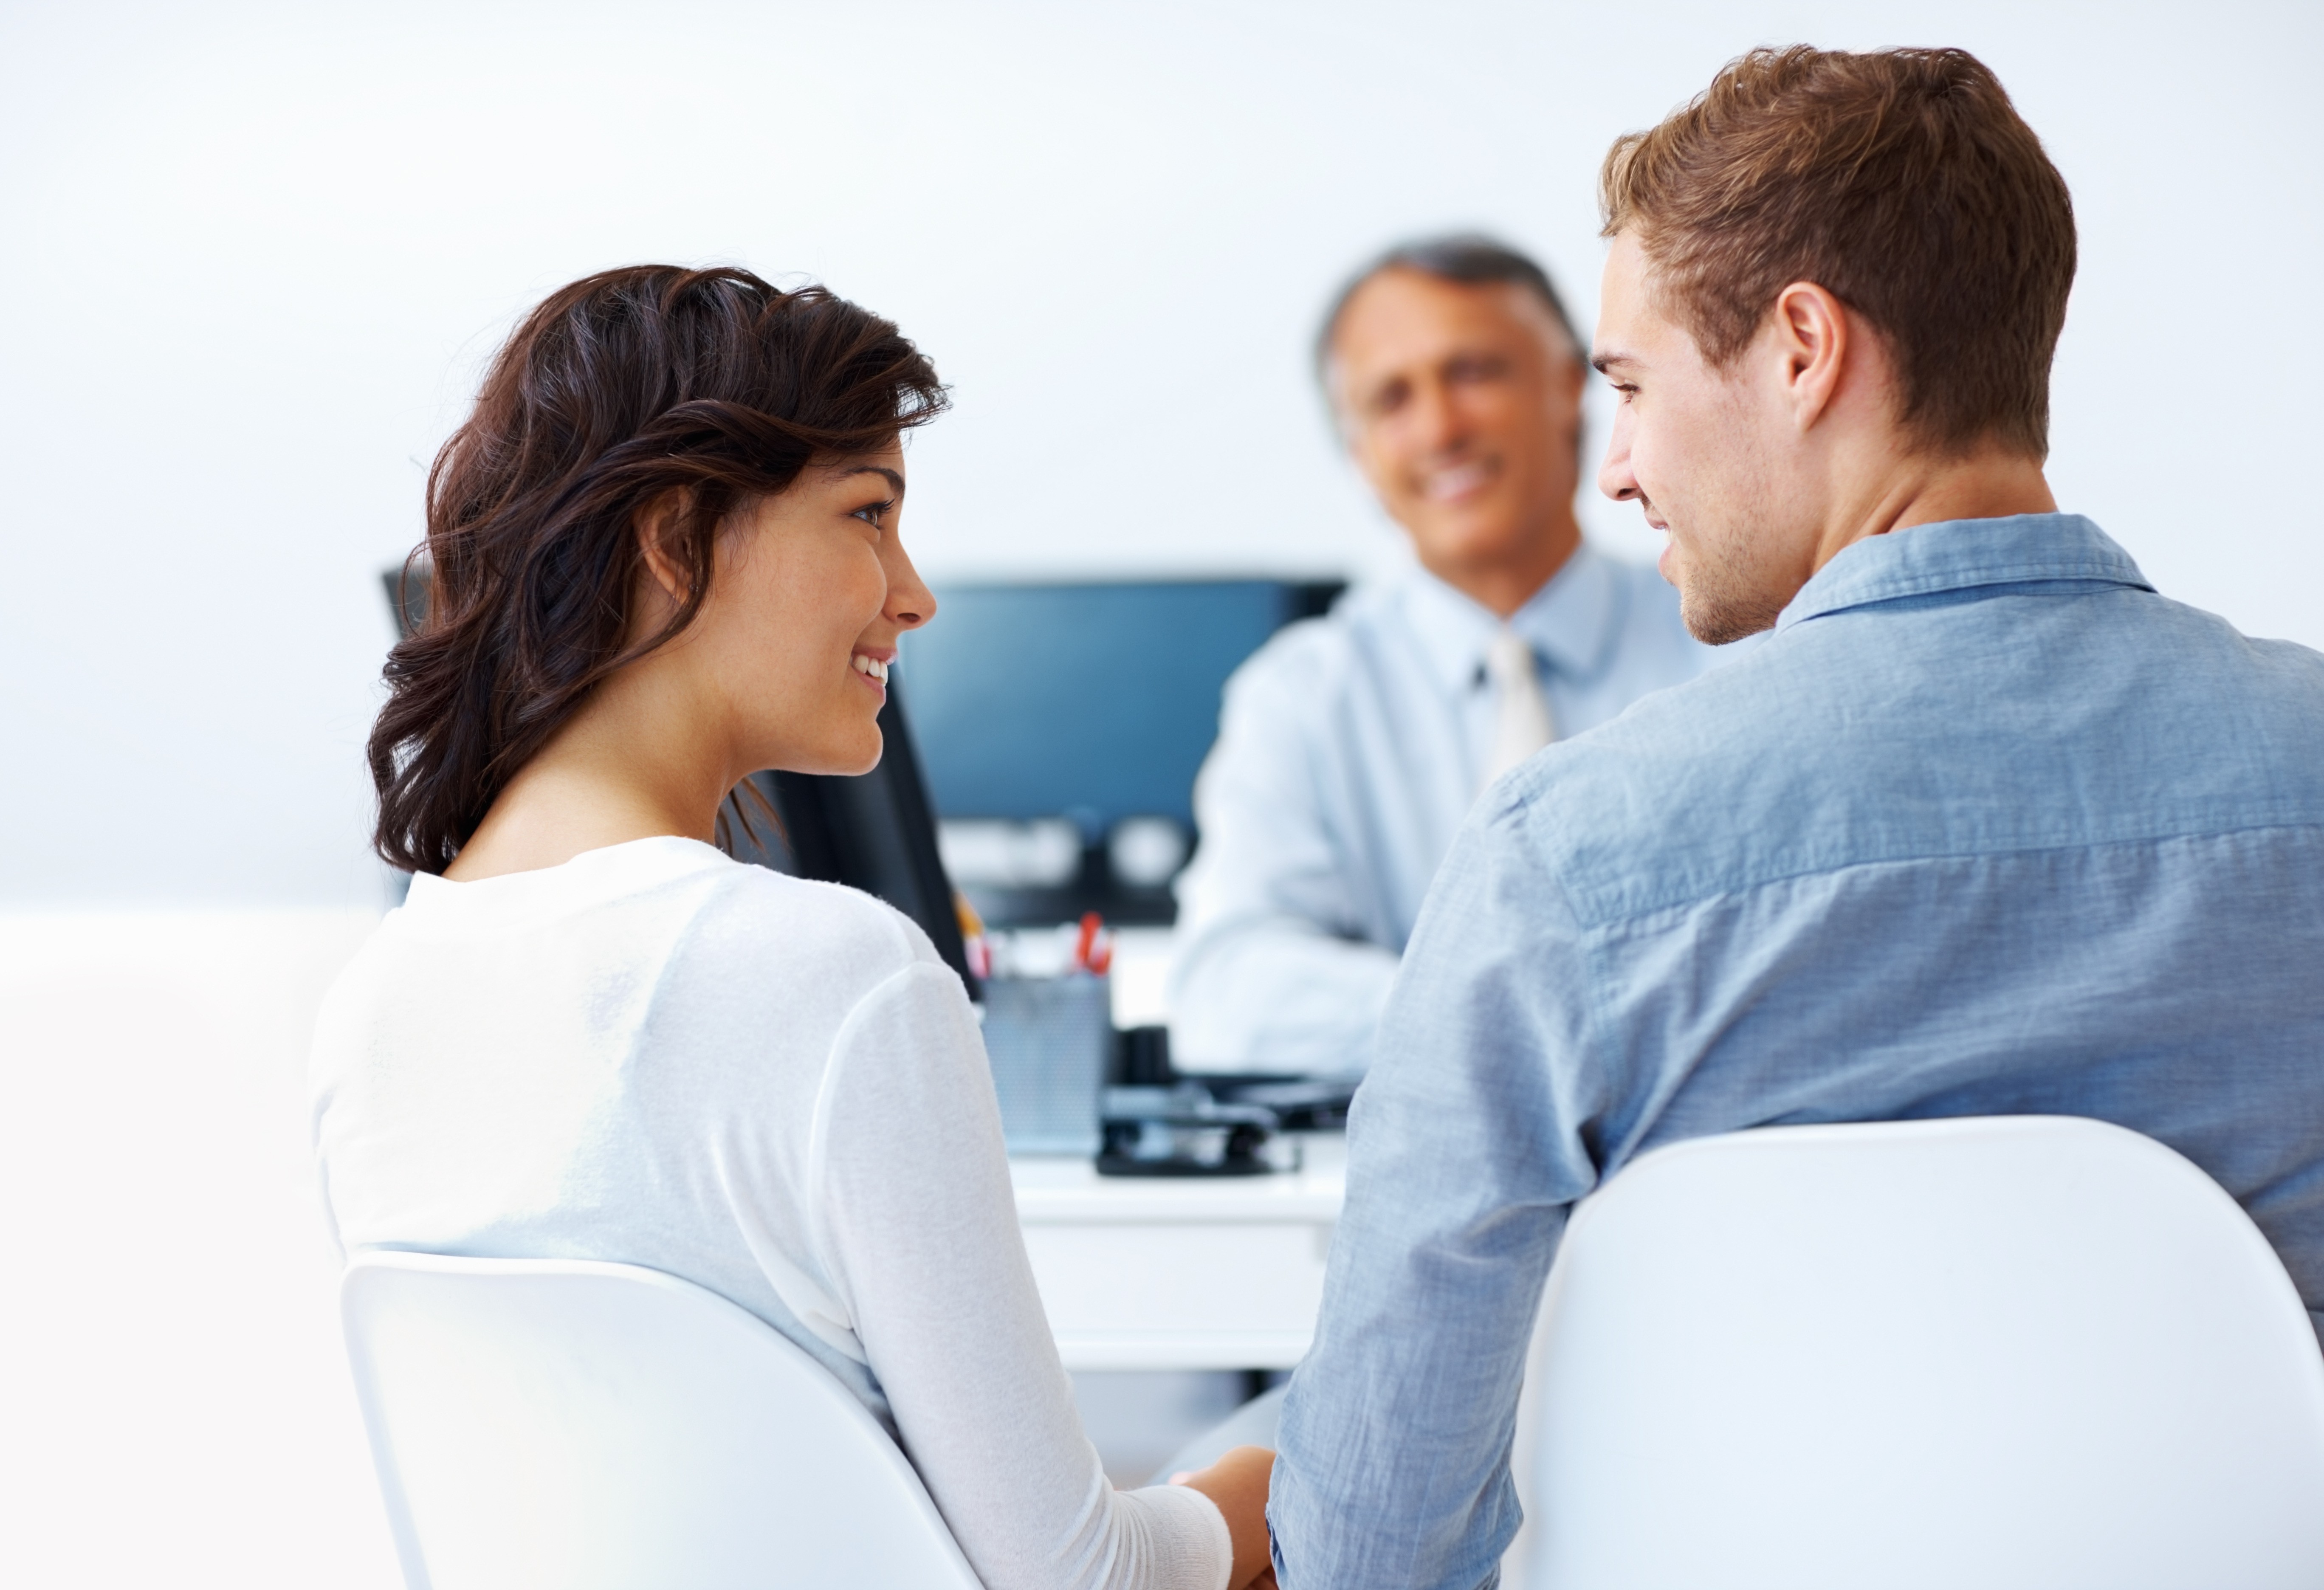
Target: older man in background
point(1351, 747)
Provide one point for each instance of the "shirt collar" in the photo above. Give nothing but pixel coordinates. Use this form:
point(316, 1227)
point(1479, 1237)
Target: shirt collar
point(1961, 554)
point(1570, 620)
point(589, 879)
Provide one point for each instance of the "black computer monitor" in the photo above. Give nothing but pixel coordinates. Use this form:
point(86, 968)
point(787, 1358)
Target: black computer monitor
point(1093, 701)
point(876, 832)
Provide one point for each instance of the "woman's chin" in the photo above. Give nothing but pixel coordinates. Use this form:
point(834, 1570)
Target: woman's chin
point(849, 758)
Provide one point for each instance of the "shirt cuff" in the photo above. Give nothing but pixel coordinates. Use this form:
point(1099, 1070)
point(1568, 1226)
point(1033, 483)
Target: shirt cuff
point(1189, 1527)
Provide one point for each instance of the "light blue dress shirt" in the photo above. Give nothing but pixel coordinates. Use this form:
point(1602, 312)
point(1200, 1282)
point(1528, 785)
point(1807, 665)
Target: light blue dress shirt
point(1350, 749)
point(1986, 827)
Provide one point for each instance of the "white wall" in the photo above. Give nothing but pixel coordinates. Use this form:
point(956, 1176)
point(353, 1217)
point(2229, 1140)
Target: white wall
point(255, 253)
point(175, 1408)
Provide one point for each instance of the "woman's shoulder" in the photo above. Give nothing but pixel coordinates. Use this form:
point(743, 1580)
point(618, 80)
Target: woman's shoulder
point(827, 932)
point(790, 966)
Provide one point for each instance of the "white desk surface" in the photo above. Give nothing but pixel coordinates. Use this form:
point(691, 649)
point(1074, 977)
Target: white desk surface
point(1182, 1273)
point(1070, 1192)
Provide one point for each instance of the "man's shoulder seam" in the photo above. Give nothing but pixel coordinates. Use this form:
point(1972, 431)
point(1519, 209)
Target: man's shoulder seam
point(1595, 913)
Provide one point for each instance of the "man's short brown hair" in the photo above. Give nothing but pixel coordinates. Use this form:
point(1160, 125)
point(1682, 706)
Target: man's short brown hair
point(1904, 183)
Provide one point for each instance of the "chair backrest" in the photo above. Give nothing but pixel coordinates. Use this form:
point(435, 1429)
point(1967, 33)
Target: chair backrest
point(2005, 1352)
point(600, 1427)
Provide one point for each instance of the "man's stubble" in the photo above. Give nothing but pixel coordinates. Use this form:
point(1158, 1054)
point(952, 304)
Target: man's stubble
point(1730, 584)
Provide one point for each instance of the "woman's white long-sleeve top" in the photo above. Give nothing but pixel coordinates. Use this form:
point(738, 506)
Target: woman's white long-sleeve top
point(655, 1055)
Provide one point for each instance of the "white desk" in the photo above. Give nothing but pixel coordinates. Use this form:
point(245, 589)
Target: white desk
point(1202, 1274)
point(1159, 1272)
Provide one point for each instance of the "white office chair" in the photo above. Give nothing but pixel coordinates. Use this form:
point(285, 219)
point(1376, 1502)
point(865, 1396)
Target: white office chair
point(1990, 1353)
point(599, 1427)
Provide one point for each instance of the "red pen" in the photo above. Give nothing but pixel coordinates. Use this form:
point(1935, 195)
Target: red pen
point(1088, 955)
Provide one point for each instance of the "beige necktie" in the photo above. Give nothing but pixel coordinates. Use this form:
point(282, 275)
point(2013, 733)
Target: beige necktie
point(1521, 721)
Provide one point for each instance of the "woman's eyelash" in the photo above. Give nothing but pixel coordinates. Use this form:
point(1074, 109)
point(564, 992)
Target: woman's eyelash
point(876, 511)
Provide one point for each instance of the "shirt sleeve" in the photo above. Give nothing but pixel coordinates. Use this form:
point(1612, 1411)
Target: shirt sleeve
point(919, 1224)
point(1466, 1146)
point(1272, 972)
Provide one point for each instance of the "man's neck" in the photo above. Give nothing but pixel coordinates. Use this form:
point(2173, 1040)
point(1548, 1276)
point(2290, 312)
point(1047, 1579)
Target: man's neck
point(1504, 584)
point(1989, 484)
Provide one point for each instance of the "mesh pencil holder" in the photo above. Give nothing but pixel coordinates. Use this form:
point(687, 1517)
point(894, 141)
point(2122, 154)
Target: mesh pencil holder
point(1049, 1039)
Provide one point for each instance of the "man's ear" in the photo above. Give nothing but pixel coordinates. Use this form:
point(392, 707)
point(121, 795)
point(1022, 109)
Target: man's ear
point(656, 526)
point(1344, 430)
point(1812, 335)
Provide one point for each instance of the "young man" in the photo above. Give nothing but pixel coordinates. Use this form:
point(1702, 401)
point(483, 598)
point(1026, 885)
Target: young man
point(1351, 748)
point(1985, 827)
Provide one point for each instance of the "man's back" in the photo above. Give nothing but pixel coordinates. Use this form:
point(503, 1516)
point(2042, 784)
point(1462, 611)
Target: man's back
point(1986, 827)
point(1349, 751)
point(2051, 846)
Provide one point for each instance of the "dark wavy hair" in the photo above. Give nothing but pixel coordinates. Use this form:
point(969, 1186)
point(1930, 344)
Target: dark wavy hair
point(708, 388)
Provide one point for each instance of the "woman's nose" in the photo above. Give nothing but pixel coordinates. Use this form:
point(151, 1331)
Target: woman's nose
point(910, 602)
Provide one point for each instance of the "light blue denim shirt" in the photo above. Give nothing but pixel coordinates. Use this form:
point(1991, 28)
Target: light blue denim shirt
point(1350, 749)
point(1986, 827)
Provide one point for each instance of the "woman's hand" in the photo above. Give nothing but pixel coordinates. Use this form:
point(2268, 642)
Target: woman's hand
point(1238, 1483)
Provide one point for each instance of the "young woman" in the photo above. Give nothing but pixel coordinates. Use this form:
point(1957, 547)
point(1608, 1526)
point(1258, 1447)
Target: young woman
point(665, 557)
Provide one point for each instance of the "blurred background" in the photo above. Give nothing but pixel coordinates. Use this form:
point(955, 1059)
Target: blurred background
point(256, 255)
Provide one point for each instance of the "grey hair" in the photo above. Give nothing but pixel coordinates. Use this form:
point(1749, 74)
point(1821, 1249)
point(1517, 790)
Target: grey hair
point(1469, 258)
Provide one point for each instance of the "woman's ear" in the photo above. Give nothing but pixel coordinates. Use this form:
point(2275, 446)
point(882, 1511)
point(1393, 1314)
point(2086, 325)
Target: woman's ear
point(657, 525)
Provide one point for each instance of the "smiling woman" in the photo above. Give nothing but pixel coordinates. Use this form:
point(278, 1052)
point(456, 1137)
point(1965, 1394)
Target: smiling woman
point(667, 556)
point(634, 448)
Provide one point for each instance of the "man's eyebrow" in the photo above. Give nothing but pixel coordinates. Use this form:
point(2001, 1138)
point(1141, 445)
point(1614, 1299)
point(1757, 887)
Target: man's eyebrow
point(889, 476)
point(1599, 363)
